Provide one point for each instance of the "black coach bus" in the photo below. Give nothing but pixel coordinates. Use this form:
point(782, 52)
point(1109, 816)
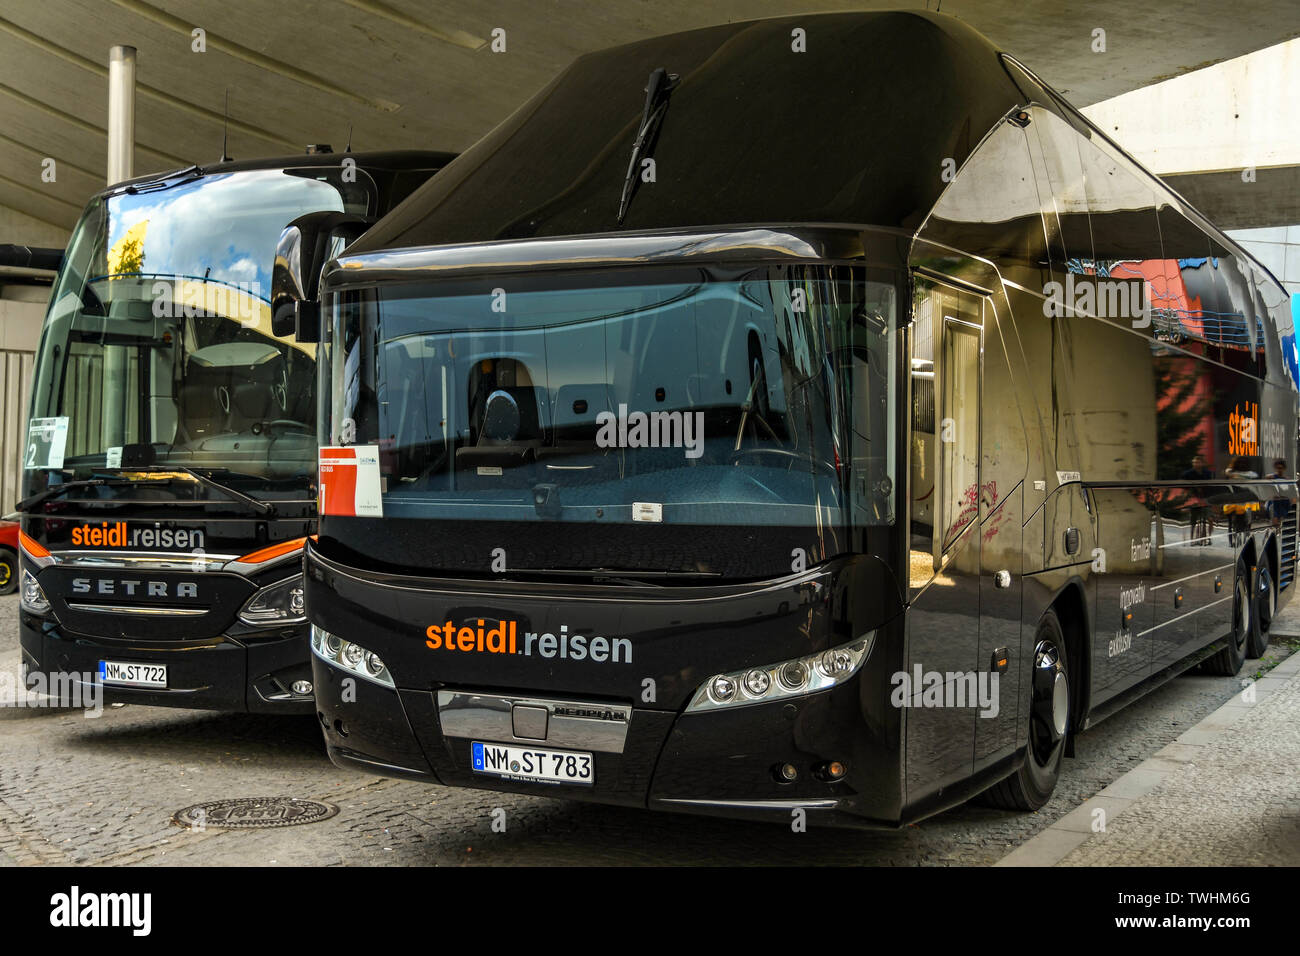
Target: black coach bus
point(872, 429)
point(170, 463)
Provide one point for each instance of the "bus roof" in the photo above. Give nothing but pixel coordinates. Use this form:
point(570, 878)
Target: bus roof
point(857, 130)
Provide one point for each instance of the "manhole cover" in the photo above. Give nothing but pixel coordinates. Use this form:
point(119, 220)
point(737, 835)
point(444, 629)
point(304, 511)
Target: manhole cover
point(247, 813)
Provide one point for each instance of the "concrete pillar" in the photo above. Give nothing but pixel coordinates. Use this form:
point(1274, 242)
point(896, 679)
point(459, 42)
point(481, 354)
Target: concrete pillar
point(121, 113)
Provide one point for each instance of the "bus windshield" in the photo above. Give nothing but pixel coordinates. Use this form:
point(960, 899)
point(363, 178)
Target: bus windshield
point(157, 347)
point(762, 398)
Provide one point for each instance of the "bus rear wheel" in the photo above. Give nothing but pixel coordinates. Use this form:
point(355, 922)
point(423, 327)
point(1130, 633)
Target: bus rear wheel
point(1265, 595)
point(1228, 661)
point(1030, 787)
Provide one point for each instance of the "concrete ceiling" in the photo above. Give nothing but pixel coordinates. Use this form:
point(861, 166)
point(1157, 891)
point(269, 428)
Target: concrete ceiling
point(420, 73)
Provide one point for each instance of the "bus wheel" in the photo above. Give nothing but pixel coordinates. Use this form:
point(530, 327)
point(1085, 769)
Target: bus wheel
point(1265, 605)
point(8, 572)
point(1228, 661)
point(1049, 722)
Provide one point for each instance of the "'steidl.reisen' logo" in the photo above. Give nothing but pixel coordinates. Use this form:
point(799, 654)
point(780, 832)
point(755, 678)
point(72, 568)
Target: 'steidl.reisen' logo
point(1243, 430)
point(116, 534)
point(505, 638)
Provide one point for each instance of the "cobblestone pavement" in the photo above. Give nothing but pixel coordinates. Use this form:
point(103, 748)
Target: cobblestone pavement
point(1232, 798)
point(103, 791)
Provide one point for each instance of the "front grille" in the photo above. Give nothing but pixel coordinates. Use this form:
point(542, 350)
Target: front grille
point(155, 605)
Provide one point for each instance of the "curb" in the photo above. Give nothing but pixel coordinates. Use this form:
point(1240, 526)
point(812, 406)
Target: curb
point(1053, 844)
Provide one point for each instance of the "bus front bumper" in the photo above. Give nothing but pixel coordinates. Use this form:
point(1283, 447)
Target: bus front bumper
point(252, 674)
point(724, 763)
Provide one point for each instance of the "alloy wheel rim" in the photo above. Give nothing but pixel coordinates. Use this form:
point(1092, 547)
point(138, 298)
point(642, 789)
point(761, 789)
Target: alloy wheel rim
point(1270, 601)
point(1050, 709)
point(1243, 613)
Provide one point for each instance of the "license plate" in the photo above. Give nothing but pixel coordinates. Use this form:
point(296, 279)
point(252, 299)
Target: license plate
point(133, 675)
point(528, 763)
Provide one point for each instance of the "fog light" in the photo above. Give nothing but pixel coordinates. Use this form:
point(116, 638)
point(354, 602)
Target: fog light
point(301, 687)
point(787, 772)
point(793, 675)
point(833, 770)
point(722, 689)
point(757, 682)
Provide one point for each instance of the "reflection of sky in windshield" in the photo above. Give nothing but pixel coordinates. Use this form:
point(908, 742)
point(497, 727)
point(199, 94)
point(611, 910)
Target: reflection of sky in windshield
point(223, 227)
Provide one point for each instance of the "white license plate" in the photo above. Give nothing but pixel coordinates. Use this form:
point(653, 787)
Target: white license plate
point(529, 763)
point(133, 675)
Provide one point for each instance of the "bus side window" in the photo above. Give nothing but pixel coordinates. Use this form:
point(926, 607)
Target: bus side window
point(959, 427)
point(921, 441)
point(945, 420)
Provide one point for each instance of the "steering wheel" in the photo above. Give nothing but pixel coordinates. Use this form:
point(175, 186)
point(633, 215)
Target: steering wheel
point(791, 457)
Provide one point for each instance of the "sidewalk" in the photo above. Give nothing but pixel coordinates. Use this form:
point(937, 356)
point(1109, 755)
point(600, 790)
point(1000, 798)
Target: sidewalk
point(1226, 793)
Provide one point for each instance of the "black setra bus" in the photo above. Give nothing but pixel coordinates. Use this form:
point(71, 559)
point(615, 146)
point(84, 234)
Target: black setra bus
point(170, 462)
point(810, 415)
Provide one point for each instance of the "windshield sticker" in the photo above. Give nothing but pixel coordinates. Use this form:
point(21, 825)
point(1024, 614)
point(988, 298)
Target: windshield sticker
point(349, 482)
point(46, 439)
point(647, 511)
point(113, 457)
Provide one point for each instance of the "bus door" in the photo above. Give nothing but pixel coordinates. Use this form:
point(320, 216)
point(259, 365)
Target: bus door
point(944, 559)
point(1003, 465)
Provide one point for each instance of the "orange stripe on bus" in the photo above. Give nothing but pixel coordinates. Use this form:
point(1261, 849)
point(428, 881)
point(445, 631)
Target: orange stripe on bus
point(32, 546)
point(274, 551)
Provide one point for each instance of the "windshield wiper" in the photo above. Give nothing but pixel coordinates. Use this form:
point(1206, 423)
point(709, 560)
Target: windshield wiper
point(261, 507)
point(656, 105)
point(167, 180)
point(33, 500)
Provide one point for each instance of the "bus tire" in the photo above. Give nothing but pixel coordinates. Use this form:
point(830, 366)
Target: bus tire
point(1228, 661)
point(8, 571)
point(1030, 787)
point(1264, 591)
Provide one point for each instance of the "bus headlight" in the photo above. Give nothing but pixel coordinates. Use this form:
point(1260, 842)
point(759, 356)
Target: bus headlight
point(33, 599)
point(793, 678)
point(281, 603)
point(350, 657)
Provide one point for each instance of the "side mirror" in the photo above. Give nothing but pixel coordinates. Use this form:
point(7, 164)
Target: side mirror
point(305, 245)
